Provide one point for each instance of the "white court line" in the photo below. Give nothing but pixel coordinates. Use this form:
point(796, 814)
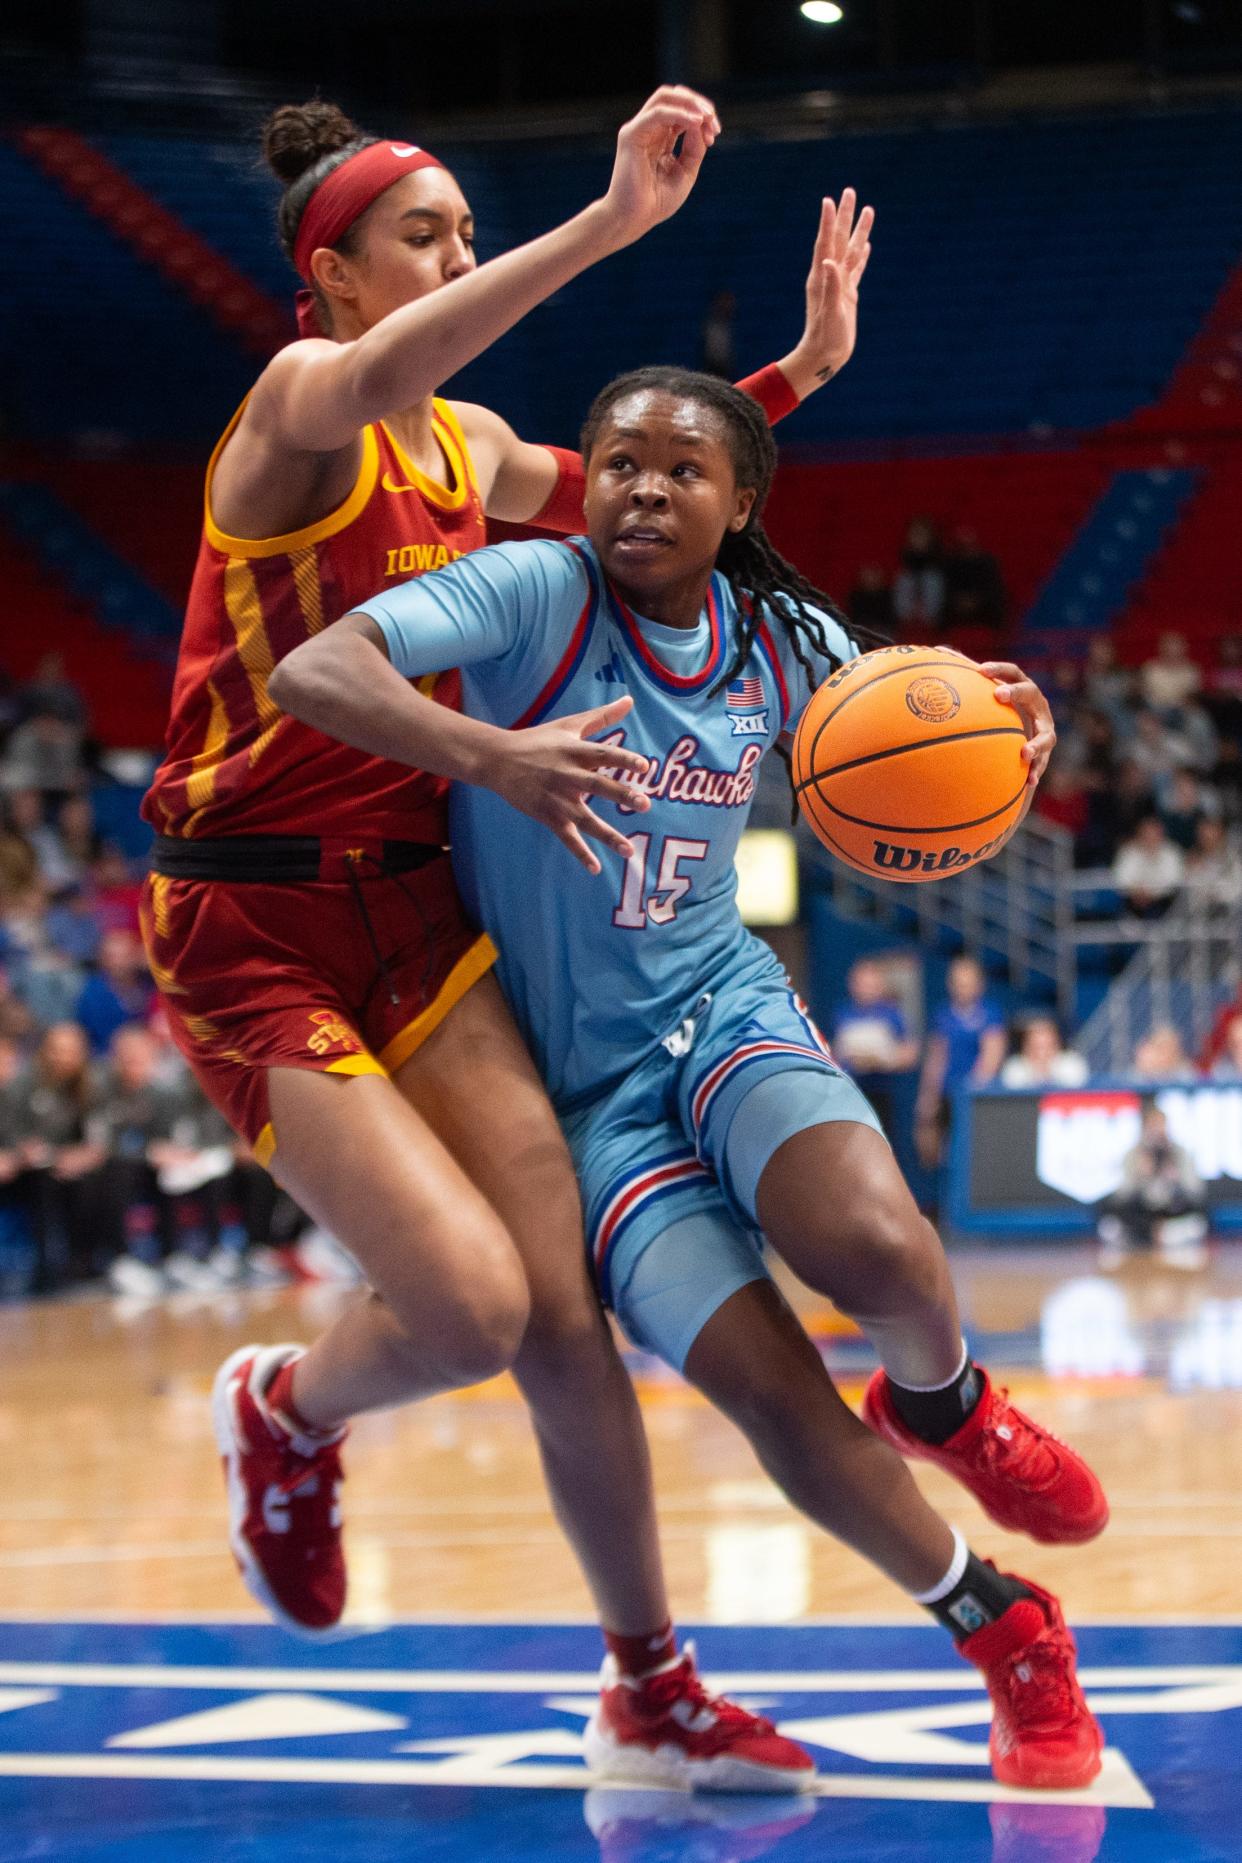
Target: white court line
point(158, 1551)
point(1116, 1785)
point(466, 1620)
point(547, 1682)
point(381, 1507)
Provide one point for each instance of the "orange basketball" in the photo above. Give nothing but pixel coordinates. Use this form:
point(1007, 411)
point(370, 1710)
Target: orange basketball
point(907, 765)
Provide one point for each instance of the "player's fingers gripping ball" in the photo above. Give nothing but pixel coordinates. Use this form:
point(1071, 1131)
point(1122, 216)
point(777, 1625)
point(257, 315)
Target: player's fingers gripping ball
point(907, 765)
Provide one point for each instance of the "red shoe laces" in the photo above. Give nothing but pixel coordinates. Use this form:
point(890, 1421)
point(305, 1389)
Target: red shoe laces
point(683, 1684)
point(324, 1464)
point(1040, 1686)
point(1024, 1446)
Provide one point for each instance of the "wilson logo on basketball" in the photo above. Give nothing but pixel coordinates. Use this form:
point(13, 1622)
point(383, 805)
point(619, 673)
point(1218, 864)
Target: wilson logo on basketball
point(933, 699)
point(889, 856)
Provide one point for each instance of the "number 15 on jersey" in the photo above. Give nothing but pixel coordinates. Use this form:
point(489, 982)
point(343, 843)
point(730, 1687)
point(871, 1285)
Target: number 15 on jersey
point(638, 907)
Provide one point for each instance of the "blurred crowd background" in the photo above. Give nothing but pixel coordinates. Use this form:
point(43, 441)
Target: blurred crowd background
point(1037, 453)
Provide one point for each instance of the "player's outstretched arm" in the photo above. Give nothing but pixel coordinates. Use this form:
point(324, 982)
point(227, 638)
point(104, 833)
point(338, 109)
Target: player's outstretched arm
point(319, 395)
point(842, 249)
point(524, 484)
point(342, 682)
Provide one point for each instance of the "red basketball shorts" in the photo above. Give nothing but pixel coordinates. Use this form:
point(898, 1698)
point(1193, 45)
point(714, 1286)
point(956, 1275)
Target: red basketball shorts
point(255, 976)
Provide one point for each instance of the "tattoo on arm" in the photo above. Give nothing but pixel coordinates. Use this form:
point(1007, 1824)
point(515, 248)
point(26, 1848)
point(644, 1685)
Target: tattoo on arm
point(825, 375)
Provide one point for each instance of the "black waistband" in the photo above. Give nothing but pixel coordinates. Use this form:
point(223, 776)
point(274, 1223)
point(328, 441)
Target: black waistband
point(270, 859)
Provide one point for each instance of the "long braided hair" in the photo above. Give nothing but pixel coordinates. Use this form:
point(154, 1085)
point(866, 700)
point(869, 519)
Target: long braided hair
point(764, 584)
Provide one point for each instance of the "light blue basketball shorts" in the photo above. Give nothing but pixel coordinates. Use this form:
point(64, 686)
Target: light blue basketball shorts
point(669, 1161)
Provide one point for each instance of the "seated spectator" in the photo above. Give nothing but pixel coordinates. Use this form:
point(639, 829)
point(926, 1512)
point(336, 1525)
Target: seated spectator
point(1161, 1202)
point(1134, 797)
point(1222, 699)
point(871, 1037)
point(1192, 737)
point(1114, 810)
point(10, 1073)
point(72, 926)
point(1148, 870)
point(70, 847)
point(1061, 798)
point(1062, 687)
point(19, 864)
point(1226, 675)
point(1161, 1056)
point(159, 1187)
point(56, 1099)
point(1171, 677)
point(974, 593)
point(1106, 686)
point(114, 891)
point(966, 1048)
point(1183, 803)
point(17, 1025)
point(1153, 746)
point(1041, 1061)
point(47, 981)
point(236, 1197)
point(18, 1256)
point(119, 991)
point(1213, 874)
point(1090, 745)
point(132, 1114)
point(1227, 776)
point(870, 601)
point(45, 754)
point(51, 691)
point(57, 866)
point(918, 592)
point(1228, 1063)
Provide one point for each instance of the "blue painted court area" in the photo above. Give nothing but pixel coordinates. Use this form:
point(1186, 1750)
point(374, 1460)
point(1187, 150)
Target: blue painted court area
point(458, 1744)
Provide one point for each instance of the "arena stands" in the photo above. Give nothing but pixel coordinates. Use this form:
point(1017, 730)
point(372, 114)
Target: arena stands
point(1036, 370)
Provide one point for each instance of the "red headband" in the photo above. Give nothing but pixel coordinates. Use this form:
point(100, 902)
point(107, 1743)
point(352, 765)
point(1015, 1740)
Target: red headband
point(349, 190)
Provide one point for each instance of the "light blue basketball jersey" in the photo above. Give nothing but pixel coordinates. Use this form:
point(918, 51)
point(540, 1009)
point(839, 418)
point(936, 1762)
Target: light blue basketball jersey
point(601, 968)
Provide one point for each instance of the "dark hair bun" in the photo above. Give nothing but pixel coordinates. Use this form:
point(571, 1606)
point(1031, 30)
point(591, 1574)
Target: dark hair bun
point(297, 136)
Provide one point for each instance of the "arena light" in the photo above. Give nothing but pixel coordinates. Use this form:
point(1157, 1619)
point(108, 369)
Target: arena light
point(822, 12)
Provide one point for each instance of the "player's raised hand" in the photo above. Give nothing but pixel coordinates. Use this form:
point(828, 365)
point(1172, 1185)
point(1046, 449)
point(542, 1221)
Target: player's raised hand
point(548, 772)
point(842, 249)
point(1016, 688)
point(659, 153)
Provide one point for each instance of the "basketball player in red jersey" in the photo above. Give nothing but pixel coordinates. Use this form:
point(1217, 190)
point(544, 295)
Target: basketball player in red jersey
point(302, 922)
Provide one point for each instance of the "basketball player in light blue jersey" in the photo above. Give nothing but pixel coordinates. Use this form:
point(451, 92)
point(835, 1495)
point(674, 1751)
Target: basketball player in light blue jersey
point(702, 1106)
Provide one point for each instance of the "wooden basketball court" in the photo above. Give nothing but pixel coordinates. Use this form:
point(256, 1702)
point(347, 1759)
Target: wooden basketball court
point(147, 1710)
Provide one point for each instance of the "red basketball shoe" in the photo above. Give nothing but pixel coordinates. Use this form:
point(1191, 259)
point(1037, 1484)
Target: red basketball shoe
point(1027, 1479)
point(1043, 1733)
point(667, 1730)
point(284, 1512)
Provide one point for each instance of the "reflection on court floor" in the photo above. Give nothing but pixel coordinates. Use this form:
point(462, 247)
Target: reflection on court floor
point(216, 1742)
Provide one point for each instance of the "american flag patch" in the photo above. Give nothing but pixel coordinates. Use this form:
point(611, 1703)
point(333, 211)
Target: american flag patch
point(744, 695)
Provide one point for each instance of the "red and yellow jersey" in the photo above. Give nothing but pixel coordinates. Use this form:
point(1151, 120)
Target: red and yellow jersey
point(234, 763)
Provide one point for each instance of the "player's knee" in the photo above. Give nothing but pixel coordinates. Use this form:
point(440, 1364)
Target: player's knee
point(473, 1328)
point(567, 1340)
point(895, 1253)
point(479, 1334)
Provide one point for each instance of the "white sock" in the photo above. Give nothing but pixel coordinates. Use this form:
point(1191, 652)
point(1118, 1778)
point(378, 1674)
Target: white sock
point(944, 1383)
point(952, 1578)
